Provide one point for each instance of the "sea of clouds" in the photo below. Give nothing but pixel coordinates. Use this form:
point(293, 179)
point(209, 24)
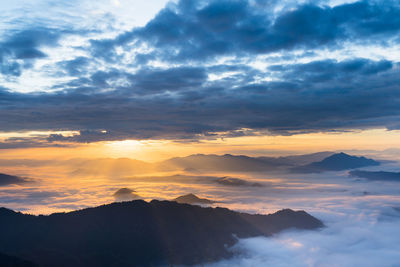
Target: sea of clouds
point(362, 226)
point(361, 217)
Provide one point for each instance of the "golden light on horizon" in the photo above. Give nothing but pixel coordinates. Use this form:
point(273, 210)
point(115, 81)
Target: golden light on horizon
point(123, 147)
point(156, 150)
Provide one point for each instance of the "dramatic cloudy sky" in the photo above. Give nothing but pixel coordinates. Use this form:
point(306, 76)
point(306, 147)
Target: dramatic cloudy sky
point(84, 71)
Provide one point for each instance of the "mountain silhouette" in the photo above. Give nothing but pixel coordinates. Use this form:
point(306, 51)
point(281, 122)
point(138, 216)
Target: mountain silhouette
point(192, 199)
point(227, 162)
point(191, 163)
point(297, 160)
point(11, 261)
point(378, 175)
point(336, 162)
point(125, 194)
point(138, 233)
point(240, 163)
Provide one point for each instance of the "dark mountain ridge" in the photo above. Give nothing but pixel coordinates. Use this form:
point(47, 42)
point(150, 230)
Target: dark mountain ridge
point(192, 199)
point(227, 162)
point(137, 233)
point(11, 261)
point(239, 163)
point(209, 163)
point(336, 162)
point(314, 162)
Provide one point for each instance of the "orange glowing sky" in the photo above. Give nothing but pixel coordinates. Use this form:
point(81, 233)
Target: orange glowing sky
point(156, 150)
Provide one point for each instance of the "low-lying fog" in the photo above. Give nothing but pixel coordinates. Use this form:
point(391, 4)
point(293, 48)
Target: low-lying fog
point(362, 217)
point(362, 228)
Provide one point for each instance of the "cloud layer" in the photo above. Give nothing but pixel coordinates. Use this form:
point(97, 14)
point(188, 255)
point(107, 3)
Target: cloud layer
point(361, 216)
point(205, 69)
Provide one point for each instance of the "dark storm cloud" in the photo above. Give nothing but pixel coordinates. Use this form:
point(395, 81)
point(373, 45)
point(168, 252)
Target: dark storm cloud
point(146, 81)
point(26, 142)
point(21, 48)
point(76, 66)
point(191, 30)
point(355, 94)
point(190, 96)
point(322, 71)
point(151, 80)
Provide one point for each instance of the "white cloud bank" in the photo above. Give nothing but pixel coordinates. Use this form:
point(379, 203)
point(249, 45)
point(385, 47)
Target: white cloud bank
point(346, 242)
point(362, 229)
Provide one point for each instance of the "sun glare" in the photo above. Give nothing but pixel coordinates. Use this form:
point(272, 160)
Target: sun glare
point(123, 148)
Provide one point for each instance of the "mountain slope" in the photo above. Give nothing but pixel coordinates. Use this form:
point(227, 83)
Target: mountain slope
point(227, 162)
point(196, 162)
point(137, 233)
point(336, 162)
point(306, 158)
point(192, 199)
point(239, 163)
point(11, 261)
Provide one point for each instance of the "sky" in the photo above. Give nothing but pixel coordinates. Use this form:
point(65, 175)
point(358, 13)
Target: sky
point(197, 74)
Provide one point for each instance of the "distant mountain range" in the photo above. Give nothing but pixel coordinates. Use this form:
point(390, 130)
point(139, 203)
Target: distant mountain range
point(192, 163)
point(11, 261)
point(297, 160)
point(316, 162)
point(377, 175)
point(238, 163)
point(137, 233)
point(227, 162)
point(123, 167)
point(336, 162)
